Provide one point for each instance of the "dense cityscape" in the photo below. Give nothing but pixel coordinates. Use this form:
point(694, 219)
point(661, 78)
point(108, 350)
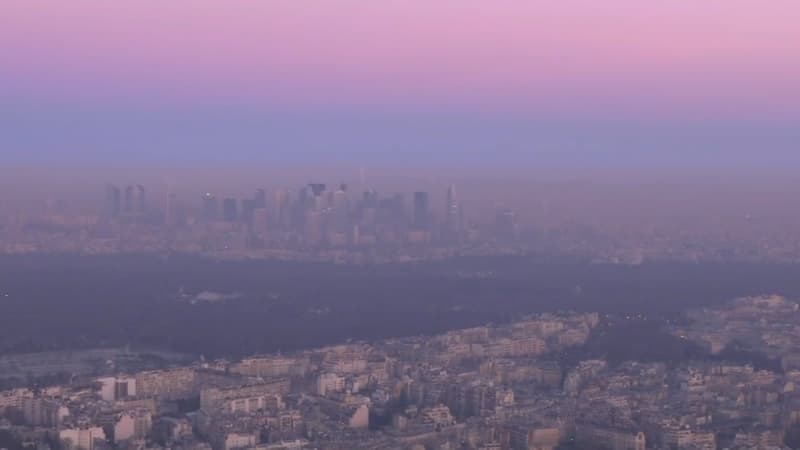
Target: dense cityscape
point(345, 224)
point(313, 222)
point(490, 387)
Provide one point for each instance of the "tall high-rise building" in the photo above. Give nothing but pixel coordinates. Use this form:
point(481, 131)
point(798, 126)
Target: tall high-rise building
point(248, 206)
point(421, 219)
point(315, 196)
point(141, 200)
point(113, 201)
point(341, 200)
point(368, 211)
point(312, 230)
point(281, 212)
point(210, 207)
point(370, 199)
point(453, 209)
point(398, 209)
point(170, 213)
point(340, 204)
point(260, 198)
point(452, 216)
point(451, 206)
point(260, 220)
point(391, 211)
point(229, 213)
point(317, 189)
point(506, 224)
point(128, 205)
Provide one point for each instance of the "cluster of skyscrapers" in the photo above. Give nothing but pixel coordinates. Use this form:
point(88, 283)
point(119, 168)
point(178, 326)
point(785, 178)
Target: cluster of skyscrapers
point(284, 223)
point(318, 214)
point(130, 201)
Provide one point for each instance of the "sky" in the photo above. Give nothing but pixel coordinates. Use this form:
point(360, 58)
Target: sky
point(500, 83)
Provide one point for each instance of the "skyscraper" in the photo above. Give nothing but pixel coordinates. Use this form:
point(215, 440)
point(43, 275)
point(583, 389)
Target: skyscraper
point(248, 206)
point(312, 230)
point(260, 220)
point(368, 210)
point(113, 200)
point(452, 215)
point(170, 215)
point(370, 199)
point(229, 210)
point(210, 207)
point(341, 207)
point(421, 218)
point(341, 201)
point(391, 211)
point(141, 200)
point(260, 199)
point(128, 205)
point(451, 206)
point(506, 224)
point(281, 213)
point(317, 189)
point(315, 196)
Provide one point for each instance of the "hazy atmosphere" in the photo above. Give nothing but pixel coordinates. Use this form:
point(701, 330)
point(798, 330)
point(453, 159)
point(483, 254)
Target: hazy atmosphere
point(399, 225)
point(571, 84)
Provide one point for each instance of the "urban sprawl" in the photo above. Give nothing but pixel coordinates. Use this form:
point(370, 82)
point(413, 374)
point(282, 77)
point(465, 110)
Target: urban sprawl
point(493, 387)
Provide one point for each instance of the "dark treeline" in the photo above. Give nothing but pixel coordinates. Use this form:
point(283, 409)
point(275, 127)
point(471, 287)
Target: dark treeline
point(70, 302)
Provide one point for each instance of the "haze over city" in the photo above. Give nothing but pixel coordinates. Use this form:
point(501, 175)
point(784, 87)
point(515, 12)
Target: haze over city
point(399, 225)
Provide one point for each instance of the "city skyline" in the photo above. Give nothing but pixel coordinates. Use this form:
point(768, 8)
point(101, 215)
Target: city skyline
point(399, 225)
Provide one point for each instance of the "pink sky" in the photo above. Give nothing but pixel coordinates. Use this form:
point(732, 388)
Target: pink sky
point(660, 56)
